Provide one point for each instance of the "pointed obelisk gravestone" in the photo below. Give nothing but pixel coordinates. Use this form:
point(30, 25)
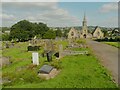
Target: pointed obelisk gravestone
point(60, 50)
point(35, 58)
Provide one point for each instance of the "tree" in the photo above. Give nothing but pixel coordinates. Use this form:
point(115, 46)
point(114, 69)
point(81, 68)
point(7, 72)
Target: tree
point(65, 34)
point(105, 33)
point(22, 30)
point(5, 29)
point(5, 37)
point(50, 34)
point(25, 30)
point(58, 33)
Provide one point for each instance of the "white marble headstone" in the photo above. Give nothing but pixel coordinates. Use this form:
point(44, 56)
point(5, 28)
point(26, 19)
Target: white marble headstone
point(35, 58)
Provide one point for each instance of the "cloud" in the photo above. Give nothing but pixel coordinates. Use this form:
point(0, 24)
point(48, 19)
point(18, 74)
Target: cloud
point(48, 13)
point(60, 0)
point(29, 0)
point(7, 17)
point(109, 7)
point(56, 16)
point(109, 22)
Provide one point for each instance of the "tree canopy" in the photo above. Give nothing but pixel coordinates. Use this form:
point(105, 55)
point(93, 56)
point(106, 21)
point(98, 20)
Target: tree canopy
point(25, 30)
point(58, 33)
point(50, 34)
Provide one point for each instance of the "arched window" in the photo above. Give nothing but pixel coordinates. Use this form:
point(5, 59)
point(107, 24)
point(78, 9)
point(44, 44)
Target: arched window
point(72, 33)
point(98, 33)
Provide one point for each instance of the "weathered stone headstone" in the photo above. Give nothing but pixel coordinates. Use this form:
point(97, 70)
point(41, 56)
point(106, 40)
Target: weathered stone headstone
point(48, 45)
point(7, 45)
point(45, 46)
point(35, 58)
point(12, 44)
point(60, 50)
point(30, 43)
point(49, 56)
point(45, 69)
point(47, 72)
point(4, 61)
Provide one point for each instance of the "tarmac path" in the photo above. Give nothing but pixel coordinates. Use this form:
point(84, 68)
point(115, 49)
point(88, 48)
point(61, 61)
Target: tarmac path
point(108, 56)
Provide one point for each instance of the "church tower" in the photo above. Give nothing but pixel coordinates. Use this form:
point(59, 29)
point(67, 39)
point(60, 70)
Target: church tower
point(84, 27)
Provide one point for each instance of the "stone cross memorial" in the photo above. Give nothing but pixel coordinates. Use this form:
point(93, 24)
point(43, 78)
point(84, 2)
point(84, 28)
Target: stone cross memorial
point(35, 58)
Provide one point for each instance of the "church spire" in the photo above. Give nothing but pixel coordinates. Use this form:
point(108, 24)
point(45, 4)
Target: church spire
point(84, 17)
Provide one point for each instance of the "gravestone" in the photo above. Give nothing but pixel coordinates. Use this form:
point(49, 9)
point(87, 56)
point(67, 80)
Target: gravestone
point(45, 69)
point(60, 50)
point(56, 54)
point(30, 42)
point(6, 45)
point(35, 58)
point(48, 45)
point(4, 61)
point(12, 44)
point(45, 46)
point(33, 48)
point(49, 56)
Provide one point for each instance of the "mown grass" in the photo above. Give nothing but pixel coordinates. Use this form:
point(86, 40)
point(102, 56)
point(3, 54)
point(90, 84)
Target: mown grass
point(115, 44)
point(80, 71)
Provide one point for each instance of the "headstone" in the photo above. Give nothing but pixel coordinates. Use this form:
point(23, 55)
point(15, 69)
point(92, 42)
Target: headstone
point(4, 61)
point(60, 50)
point(12, 44)
point(30, 43)
point(45, 46)
point(7, 45)
point(45, 69)
point(48, 45)
point(49, 56)
point(35, 58)
point(56, 54)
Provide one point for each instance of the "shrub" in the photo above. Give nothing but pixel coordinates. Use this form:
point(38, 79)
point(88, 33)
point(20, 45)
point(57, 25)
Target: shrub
point(117, 38)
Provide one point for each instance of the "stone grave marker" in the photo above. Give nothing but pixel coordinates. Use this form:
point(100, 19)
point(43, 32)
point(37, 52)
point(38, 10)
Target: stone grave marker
point(49, 56)
point(45, 69)
point(45, 46)
point(47, 72)
point(6, 45)
point(12, 44)
point(49, 45)
point(4, 61)
point(30, 42)
point(60, 50)
point(35, 58)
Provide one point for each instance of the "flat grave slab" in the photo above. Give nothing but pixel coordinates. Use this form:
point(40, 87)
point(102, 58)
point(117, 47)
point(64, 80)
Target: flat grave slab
point(45, 69)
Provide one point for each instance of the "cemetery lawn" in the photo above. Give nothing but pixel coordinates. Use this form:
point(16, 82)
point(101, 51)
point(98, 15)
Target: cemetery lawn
point(115, 44)
point(79, 71)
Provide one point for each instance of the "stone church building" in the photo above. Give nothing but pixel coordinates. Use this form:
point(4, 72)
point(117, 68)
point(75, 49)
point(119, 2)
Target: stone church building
point(97, 33)
point(74, 34)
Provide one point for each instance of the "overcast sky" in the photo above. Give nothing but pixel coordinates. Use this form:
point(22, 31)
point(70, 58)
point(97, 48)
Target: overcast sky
point(61, 13)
